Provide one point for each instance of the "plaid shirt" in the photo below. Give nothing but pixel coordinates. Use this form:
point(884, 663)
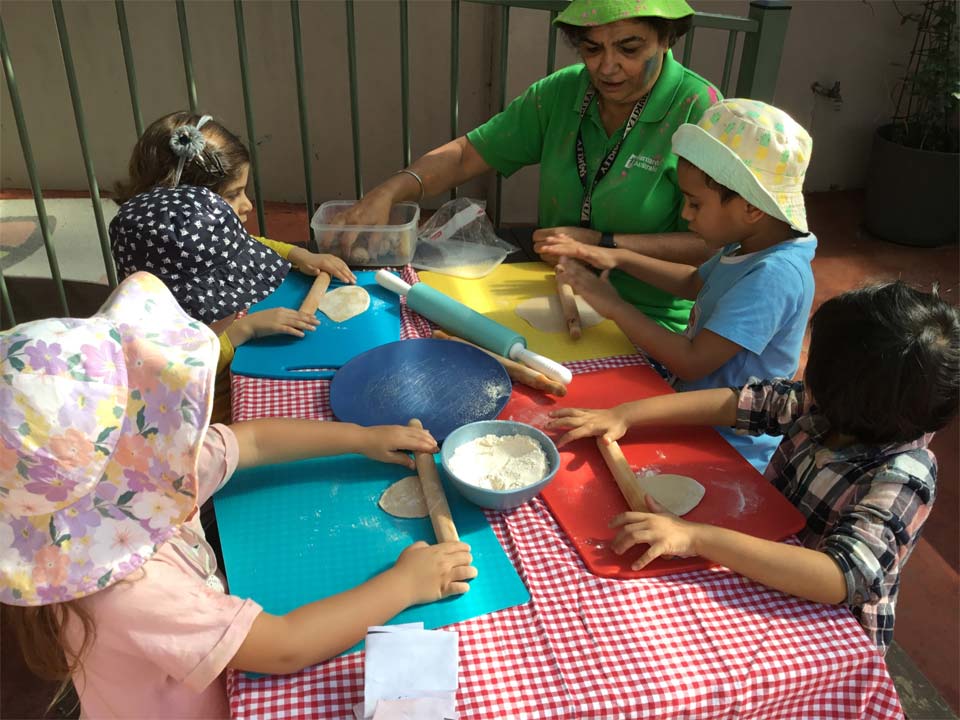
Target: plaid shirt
point(864, 504)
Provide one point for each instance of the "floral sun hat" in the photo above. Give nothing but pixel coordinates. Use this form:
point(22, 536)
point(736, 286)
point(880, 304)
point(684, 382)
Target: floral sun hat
point(192, 239)
point(754, 149)
point(588, 13)
point(103, 419)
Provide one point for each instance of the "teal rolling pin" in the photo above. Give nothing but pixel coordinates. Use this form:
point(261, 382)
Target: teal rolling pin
point(471, 325)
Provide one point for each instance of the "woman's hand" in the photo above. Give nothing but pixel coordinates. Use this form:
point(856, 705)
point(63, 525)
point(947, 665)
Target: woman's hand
point(579, 234)
point(433, 572)
point(665, 533)
point(583, 423)
point(373, 209)
point(392, 443)
point(275, 321)
point(560, 246)
point(311, 263)
point(597, 291)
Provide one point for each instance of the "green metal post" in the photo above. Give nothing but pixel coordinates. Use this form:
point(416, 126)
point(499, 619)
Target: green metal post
point(82, 132)
point(128, 63)
point(302, 110)
point(354, 102)
point(405, 81)
point(762, 50)
point(728, 62)
point(552, 45)
point(504, 51)
point(454, 75)
point(688, 47)
point(187, 56)
point(7, 306)
point(248, 112)
point(32, 172)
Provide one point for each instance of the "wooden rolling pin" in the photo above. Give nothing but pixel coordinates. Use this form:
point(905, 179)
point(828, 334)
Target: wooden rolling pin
point(625, 477)
point(312, 301)
point(517, 371)
point(440, 516)
point(568, 302)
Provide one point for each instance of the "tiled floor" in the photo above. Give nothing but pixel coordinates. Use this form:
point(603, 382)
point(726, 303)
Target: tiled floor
point(927, 620)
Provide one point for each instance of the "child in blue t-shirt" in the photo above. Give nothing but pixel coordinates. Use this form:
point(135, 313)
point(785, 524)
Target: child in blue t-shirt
point(741, 171)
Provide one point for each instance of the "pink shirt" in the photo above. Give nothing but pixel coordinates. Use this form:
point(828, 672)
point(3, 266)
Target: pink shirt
point(164, 636)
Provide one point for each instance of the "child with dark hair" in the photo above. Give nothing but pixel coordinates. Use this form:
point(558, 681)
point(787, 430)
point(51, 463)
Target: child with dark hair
point(881, 378)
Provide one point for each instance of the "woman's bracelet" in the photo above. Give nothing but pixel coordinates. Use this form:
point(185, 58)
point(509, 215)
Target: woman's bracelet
point(416, 177)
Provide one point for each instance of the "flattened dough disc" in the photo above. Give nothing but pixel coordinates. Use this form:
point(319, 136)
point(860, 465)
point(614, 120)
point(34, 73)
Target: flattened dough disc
point(546, 314)
point(344, 303)
point(404, 499)
point(677, 493)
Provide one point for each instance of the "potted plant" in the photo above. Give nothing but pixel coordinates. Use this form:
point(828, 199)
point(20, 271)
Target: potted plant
point(914, 177)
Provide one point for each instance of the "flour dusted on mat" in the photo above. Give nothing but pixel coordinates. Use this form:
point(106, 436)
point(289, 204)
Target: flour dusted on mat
point(500, 462)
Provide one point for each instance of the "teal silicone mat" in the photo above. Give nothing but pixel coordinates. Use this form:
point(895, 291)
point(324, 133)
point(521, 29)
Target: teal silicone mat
point(298, 532)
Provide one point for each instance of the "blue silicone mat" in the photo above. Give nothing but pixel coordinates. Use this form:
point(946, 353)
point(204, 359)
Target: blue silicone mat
point(444, 384)
point(297, 532)
point(319, 353)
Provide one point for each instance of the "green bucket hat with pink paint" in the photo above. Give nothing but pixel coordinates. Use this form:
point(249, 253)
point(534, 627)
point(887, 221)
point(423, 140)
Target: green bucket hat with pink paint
point(587, 13)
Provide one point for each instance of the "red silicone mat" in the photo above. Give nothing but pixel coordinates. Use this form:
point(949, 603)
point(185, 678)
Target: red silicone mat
point(584, 496)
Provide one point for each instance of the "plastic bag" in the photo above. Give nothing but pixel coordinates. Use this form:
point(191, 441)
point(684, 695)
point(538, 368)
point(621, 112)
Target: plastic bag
point(459, 240)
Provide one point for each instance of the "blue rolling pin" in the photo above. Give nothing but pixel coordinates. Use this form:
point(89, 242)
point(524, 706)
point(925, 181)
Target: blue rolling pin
point(471, 325)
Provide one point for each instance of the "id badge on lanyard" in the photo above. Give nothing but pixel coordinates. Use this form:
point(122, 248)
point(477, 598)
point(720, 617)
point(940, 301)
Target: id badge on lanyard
point(586, 207)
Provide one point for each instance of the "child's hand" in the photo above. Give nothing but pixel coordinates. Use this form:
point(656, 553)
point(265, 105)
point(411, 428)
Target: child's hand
point(311, 263)
point(586, 423)
point(391, 443)
point(565, 246)
point(664, 532)
point(433, 572)
point(597, 291)
point(275, 321)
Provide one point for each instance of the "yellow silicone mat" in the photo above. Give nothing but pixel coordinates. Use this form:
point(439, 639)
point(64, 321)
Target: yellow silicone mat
point(496, 296)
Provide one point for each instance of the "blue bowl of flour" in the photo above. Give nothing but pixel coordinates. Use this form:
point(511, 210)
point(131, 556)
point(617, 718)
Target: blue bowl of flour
point(487, 497)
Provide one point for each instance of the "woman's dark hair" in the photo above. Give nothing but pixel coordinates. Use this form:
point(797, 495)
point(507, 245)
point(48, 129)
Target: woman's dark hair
point(154, 164)
point(667, 30)
point(884, 362)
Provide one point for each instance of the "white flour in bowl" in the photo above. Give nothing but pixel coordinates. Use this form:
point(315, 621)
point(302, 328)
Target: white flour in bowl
point(500, 462)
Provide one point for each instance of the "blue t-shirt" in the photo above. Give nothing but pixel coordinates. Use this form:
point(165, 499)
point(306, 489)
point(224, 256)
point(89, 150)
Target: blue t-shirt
point(761, 302)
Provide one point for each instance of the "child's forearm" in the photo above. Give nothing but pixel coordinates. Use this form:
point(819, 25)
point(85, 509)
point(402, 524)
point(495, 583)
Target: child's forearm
point(798, 571)
point(678, 279)
point(276, 440)
point(675, 247)
point(698, 407)
point(318, 631)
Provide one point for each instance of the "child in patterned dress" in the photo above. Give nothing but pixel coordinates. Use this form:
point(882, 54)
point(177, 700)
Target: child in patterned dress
point(106, 450)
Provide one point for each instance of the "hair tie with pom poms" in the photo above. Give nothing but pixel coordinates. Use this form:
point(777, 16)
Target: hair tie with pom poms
point(187, 143)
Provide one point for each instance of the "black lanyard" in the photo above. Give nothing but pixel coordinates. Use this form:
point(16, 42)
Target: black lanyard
point(607, 163)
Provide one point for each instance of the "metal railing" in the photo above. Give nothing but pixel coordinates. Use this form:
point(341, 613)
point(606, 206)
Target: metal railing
point(763, 30)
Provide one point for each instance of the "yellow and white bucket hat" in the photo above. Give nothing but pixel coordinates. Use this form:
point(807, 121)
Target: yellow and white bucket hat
point(754, 149)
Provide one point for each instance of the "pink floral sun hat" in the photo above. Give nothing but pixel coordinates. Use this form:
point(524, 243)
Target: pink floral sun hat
point(102, 422)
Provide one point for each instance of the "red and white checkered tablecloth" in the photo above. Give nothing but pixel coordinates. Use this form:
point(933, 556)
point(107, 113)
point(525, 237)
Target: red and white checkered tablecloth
point(706, 644)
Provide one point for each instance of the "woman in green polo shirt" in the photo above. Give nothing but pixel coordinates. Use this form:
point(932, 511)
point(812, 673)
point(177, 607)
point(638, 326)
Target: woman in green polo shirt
point(601, 134)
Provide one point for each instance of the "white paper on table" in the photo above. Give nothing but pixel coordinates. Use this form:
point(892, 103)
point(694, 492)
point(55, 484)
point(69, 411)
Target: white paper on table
point(408, 662)
point(416, 709)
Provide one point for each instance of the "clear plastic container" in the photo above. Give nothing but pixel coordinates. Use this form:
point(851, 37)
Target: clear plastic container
point(368, 245)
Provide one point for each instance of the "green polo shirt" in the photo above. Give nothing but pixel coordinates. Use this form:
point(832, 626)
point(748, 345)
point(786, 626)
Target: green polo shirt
point(638, 195)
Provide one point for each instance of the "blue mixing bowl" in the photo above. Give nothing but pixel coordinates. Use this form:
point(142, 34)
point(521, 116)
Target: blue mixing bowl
point(498, 499)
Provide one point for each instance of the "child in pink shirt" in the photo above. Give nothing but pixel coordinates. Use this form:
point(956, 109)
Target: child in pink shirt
point(105, 453)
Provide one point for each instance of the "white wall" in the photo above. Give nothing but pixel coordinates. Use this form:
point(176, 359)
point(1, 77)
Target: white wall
point(855, 42)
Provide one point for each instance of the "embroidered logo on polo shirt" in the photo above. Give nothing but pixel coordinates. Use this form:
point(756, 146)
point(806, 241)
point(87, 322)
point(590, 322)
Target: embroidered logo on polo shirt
point(650, 164)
